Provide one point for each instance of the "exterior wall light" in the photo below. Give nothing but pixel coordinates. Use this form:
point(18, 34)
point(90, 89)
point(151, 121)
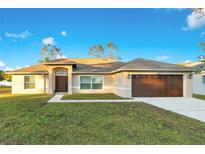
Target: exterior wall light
point(190, 76)
point(128, 76)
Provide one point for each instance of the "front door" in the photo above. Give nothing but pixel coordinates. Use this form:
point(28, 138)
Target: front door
point(61, 84)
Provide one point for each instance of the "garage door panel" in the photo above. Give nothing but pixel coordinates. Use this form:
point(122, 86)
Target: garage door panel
point(157, 85)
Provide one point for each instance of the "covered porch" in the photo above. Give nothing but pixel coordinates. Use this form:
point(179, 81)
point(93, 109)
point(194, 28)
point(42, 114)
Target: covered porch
point(60, 78)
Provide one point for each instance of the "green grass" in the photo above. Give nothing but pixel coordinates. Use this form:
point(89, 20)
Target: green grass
point(199, 96)
point(5, 89)
point(91, 96)
point(28, 119)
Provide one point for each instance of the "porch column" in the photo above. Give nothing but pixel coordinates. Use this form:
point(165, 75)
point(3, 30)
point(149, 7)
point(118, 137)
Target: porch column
point(50, 80)
point(70, 85)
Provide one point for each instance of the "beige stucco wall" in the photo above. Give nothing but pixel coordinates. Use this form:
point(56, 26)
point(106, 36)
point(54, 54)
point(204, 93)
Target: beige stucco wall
point(18, 85)
point(118, 83)
point(107, 86)
point(122, 83)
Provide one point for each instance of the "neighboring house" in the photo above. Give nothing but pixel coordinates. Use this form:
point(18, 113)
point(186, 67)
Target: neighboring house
point(5, 83)
point(137, 78)
point(198, 76)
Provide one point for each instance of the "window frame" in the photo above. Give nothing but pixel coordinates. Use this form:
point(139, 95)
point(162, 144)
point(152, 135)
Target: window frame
point(29, 82)
point(91, 83)
point(87, 82)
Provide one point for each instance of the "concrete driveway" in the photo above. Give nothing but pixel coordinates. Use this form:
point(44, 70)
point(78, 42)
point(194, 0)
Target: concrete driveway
point(190, 107)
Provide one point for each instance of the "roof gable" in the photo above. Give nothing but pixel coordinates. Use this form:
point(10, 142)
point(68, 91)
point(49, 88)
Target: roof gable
point(39, 68)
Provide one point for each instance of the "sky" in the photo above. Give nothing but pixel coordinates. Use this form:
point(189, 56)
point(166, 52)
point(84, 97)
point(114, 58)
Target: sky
point(170, 35)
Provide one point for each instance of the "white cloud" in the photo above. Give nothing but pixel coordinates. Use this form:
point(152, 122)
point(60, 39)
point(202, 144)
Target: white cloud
point(22, 35)
point(64, 33)
point(2, 64)
point(48, 40)
point(60, 56)
point(18, 67)
point(187, 61)
point(8, 69)
point(194, 21)
point(163, 57)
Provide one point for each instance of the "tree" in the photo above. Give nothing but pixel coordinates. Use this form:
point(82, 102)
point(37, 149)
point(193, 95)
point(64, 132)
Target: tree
point(7, 77)
point(202, 57)
point(112, 48)
point(4, 76)
point(198, 11)
point(97, 51)
point(49, 52)
point(1, 75)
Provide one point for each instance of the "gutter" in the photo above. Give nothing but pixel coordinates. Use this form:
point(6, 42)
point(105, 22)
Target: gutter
point(137, 70)
point(112, 72)
point(25, 73)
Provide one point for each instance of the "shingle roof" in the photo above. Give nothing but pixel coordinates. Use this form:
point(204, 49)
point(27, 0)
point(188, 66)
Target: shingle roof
point(97, 65)
point(100, 68)
point(83, 63)
point(145, 64)
point(37, 69)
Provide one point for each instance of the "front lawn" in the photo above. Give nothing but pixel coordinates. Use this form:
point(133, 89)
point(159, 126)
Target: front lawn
point(90, 96)
point(28, 119)
point(199, 96)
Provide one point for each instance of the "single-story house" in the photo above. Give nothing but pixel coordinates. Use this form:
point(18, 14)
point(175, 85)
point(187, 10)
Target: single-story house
point(137, 78)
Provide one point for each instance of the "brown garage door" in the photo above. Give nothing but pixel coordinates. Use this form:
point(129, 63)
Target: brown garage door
point(157, 85)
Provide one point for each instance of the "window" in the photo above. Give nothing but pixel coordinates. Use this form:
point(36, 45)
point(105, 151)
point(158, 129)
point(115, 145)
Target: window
point(29, 82)
point(61, 72)
point(91, 82)
point(85, 82)
point(203, 79)
point(97, 82)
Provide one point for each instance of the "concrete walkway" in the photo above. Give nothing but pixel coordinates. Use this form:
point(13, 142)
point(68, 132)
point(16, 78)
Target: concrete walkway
point(55, 98)
point(190, 107)
point(58, 99)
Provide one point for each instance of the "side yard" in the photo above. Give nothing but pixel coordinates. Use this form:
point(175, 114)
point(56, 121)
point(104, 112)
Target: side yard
point(199, 96)
point(28, 119)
